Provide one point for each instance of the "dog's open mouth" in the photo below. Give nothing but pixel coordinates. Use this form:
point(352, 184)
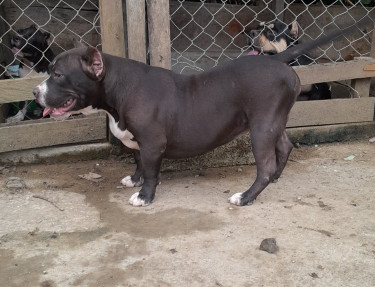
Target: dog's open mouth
point(253, 52)
point(256, 52)
point(58, 112)
point(17, 51)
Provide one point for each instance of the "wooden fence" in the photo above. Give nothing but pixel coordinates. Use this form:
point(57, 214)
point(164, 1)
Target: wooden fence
point(311, 113)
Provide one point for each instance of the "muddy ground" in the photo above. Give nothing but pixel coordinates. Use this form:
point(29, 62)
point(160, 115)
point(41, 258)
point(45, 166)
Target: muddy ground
point(57, 229)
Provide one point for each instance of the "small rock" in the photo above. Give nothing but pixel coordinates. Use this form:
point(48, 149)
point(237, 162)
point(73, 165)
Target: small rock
point(372, 140)
point(173, 250)
point(54, 235)
point(269, 245)
point(4, 170)
point(239, 169)
point(314, 275)
point(91, 176)
point(227, 191)
point(35, 231)
point(14, 183)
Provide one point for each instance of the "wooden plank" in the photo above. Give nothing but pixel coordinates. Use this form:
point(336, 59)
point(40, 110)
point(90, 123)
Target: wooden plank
point(21, 89)
point(16, 90)
point(362, 86)
point(335, 71)
point(136, 30)
point(159, 33)
point(336, 111)
point(112, 27)
point(47, 132)
point(369, 68)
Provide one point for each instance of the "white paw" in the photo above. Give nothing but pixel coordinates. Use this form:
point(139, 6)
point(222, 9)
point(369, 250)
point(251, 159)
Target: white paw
point(20, 116)
point(127, 181)
point(136, 201)
point(235, 198)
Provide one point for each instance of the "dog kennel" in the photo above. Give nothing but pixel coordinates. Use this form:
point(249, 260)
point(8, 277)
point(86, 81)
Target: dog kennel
point(188, 37)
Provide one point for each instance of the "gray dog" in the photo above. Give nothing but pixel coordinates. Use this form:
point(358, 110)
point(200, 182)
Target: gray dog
point(158, 113)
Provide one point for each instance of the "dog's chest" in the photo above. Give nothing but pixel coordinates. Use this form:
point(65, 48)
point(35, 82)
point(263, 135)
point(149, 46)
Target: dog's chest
point(125, 136)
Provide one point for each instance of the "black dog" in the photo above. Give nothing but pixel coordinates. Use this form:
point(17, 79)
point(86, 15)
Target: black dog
point(159, 113)
point(276, 37)
point(32, 47)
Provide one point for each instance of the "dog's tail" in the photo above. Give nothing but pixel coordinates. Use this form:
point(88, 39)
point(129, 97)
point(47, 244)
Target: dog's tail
point(300, 49)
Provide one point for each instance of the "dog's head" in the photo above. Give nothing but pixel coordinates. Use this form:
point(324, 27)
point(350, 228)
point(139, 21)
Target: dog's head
point(272, 38)
point(74, 83)
point(33, 45)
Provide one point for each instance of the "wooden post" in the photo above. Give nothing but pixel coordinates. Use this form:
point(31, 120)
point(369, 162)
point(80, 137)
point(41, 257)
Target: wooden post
point(362, 86)
point(277, 7)
point(112, 32)
point(112, 27)
point(136, 30)
point(159, 33)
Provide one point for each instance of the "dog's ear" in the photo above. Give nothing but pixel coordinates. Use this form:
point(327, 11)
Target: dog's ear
point(294, 29)
point(92, 64)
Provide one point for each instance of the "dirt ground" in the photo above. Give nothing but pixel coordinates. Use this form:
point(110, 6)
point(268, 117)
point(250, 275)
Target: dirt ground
point(57, 229)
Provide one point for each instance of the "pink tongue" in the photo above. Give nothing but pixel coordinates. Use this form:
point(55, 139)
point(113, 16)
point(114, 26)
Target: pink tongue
point(253, 53)
point(54, 112)
point(15, 50)
point(47, 111)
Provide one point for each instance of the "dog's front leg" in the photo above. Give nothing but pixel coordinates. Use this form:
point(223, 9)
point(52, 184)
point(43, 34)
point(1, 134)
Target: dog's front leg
point(136, 179)
point(151, 161)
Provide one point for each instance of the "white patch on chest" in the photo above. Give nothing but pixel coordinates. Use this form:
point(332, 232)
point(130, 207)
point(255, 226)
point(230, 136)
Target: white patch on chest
point(124, 136)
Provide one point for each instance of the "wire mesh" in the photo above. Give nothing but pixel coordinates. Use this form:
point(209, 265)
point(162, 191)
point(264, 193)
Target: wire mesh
point(205, 33)
point(32, 33)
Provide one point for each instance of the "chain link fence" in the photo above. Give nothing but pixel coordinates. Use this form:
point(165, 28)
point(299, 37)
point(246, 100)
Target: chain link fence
point(32, 33)
point(205, 33)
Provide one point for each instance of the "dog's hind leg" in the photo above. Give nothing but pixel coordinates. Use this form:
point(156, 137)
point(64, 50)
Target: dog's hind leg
point(135, 179)
point(283, 149)
point(264, 150)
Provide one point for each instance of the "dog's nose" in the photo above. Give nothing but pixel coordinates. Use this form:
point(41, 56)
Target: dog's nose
point(253, 33)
